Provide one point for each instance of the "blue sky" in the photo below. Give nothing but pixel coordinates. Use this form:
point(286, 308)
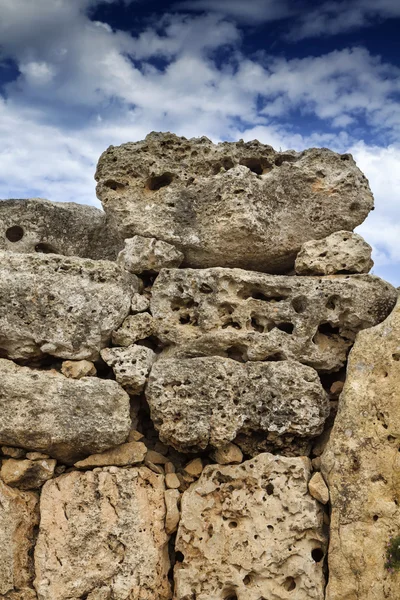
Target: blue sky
point(79, 75)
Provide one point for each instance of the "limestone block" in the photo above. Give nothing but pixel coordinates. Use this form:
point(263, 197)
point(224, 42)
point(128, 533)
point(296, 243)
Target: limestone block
point(66, 418)
point(63, 306)
point(361, 465)
point(125, 454)
point(205, 402)
point(172, 499)
point(318, 488)
point(131, 366)
point(133, 329)
point(76, 369)
point(19, 516)
point(37, 225)
point(103, 533)
point(341, 252)
point(27, 474)
point(253, 316)
point(232, 204)
point(139, 303)
point(143, 254)
point(229, 454)
point(251, 531)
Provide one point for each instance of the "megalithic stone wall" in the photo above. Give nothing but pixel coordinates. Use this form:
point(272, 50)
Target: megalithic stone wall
point(176, 420)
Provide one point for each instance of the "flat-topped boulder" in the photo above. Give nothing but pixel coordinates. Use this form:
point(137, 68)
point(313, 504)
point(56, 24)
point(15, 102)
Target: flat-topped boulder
point(254, 316)
point(198, 403)
point(37, 225)
point(251, 532)
point(62, 306)
point(66, 418)
point(231, 204)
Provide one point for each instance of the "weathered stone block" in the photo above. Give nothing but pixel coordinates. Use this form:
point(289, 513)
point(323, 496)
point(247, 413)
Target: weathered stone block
point(206, 402)
point(63, 306)
point(66, 418)
point(142, 254)
point(251, 531)
point(232, 204)
point(102, 536)
point(131, 366)
point(253, 316)
point(361, 465)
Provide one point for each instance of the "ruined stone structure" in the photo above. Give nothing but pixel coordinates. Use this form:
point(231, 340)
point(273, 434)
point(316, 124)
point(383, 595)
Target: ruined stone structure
point(199, 386)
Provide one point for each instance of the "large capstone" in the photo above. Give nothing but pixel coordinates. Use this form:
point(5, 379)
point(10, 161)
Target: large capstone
point(36, 225)
point(251, 531)
point(63, 306)
point(198, 403)
point(253, 316)
point(66, 418)
point(102, 536)
point(232, 204)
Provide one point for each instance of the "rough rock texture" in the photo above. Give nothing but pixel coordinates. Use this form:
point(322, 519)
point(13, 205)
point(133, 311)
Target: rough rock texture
point(341, 252)
point(361, 465)
point(251, 531)
point(318, 488)
point(232, 204)
point(66, 418)
point(125, 454)
point(133, 329)
point(102, 534)
point(201, 402)
point(143, 254)
point(19, 516)
point(63, 306)
point(76, 369)
point(27, 474)
point(252, 316)
point(131, 366)
point(37, 225)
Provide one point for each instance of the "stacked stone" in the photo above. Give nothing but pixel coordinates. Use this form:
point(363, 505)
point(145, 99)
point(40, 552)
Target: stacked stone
point(171, 372)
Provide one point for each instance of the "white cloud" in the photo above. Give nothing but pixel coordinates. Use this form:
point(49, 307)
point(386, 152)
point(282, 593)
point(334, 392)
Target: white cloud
point(83, 86)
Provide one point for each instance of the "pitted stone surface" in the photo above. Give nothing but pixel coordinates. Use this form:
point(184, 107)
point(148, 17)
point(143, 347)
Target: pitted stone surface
point(251, 531)
point(66, 418)
point(131, 366)
point(37, 225)
point(102, 536)
point(201, 402)
point(63, 306)
point(341, 252)
point(19, 516)
point(232, 204)
point(253, 316)
point(143, 254)
point(361, 465)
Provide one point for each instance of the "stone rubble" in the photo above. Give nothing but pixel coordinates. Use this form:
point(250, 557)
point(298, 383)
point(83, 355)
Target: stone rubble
point(176, 421)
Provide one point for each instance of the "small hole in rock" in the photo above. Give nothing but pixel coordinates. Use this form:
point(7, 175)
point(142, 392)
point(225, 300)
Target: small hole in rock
point(270, 489)
point(299, 304)
point(160, 181)
point(375, 517)
point(289, 584)
point(317, 555)
point(15, 233)
point(233, 524)
point(45, 248)
point(396, 356)
point(354, 206)
point(254, 164)
point(179, 556)
point(286, 327)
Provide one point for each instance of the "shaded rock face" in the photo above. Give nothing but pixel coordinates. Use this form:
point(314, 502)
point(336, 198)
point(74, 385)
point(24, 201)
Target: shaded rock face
point(252, 316)
point(66, 418)
point(341, 252)
point(251, 531)
point(36, 225)
point(361, 465)
point(102, 536)
point(62, 306)
point(201, 402)
point(210, 200)
point(19, 517)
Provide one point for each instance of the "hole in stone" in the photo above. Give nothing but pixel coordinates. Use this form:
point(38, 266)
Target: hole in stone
point(289, 584)
point(114, 185)
point(233, 524)
point(284, 158)
point(254, 164)
point(375, 517)
point(396, 356)
point(256, 325)
point(269, 489)
point(299, 304)
point(205, 288)
point(179, 556)
point(237, 353)
point(159, 181)
point(223, 165)
point(345, 157)
point(328, 329)
point(231, 596)
point(317, 555)
point(14, 233)
point(354, 206)
point(275, 357)
point(286, 327)
point(45, 248)
point(270, 528)
point(332, 302)
point(259, 295)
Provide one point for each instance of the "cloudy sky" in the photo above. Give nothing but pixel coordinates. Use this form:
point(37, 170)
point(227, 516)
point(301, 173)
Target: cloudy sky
point(79, 75)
